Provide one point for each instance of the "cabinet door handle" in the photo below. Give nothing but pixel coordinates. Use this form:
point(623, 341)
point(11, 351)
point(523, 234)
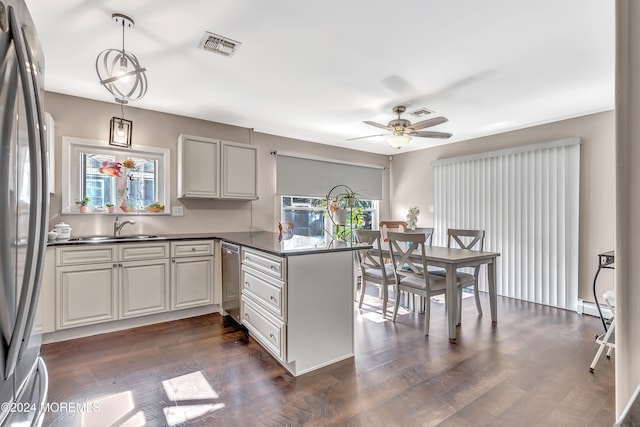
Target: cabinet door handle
point(115, 265)
point(247, 285)
point(272, 336)
point(173, 261)
point(193, 249)
point(246, 315)
point(273, 298)
point(119, 265)
point(273, 267)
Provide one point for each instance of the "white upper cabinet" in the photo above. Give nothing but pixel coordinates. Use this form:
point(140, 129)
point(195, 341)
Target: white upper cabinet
point(239, 171)
point(214, 169)
point(198, 167)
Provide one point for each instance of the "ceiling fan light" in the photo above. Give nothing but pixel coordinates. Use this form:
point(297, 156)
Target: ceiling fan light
point(398, 141)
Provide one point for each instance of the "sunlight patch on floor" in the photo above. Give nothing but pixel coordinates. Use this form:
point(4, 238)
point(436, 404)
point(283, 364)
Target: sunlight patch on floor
point(177, 415)
point(193, 396)
point(193, 386)
point(115, 409)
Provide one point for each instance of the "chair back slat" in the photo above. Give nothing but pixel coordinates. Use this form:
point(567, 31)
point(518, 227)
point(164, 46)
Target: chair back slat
point(467, 239)
point(369, 258)
point(403, 246)
point(386, 226)
point(427, 231)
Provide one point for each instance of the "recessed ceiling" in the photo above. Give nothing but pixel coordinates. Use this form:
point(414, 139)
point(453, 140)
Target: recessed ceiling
point(314, 70)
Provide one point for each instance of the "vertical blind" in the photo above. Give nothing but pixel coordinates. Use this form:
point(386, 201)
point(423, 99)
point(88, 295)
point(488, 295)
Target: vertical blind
point(297, 175)
point(527, 201)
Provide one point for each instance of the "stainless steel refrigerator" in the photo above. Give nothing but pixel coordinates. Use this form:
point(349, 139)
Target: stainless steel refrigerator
point(24, 212)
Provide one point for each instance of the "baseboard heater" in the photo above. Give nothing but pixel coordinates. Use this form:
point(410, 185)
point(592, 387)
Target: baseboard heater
point(590, 308)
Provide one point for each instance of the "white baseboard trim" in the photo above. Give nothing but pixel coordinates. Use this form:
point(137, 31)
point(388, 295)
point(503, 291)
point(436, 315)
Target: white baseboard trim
point(590, 308)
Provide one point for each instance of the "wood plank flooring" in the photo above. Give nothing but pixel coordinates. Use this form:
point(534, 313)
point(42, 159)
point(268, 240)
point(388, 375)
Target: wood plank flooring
point(529, 369)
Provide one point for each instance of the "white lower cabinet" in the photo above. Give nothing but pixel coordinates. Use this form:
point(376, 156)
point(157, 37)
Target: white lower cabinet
point(86, 294)
point(265, 328)
point(263, 303)
point(191, 282)
point(192, 273)
point(144, 287)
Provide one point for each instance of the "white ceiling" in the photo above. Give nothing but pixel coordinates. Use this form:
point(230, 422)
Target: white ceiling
point(314, 70)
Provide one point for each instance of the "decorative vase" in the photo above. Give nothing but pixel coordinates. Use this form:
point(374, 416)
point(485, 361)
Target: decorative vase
point(111, 209)
point(84, 209)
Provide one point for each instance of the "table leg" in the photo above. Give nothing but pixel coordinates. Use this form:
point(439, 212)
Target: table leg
point(493, 292)
point(452, 303)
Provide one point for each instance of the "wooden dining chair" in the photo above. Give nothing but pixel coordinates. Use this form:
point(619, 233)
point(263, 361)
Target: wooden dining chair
point(412, 271)
point(372, 267)
point(386, 226)
point(473, 240)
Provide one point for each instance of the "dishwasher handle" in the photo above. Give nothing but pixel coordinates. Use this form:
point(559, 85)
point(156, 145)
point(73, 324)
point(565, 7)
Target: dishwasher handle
point(230, 248)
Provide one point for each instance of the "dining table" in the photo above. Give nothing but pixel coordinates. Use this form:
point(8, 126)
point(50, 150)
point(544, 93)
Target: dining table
point(451, 259)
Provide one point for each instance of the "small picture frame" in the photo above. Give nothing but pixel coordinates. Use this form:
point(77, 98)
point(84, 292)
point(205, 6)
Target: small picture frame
point(120, 132)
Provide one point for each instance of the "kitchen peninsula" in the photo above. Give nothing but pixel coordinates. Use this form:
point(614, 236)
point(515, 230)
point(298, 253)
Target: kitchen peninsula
point(296, 293)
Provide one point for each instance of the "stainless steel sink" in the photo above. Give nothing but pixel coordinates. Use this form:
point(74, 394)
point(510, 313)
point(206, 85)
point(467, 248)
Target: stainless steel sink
point(131, 238)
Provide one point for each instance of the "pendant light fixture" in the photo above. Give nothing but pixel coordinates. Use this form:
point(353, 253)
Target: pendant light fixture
point(120, 131)
point(119, 71)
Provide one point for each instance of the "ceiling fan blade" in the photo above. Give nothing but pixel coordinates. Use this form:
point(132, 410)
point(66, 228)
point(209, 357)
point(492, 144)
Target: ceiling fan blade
point(430, 134)
point(428, 123)
point(378, 125)
point(362, 137)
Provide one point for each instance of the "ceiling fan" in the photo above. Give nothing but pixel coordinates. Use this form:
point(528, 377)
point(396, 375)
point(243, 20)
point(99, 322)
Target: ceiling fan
point(402, 130)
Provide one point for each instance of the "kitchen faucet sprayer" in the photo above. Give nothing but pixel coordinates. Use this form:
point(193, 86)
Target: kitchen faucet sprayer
point(117, 225)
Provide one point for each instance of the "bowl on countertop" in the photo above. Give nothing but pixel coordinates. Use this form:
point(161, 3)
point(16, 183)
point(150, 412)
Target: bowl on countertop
point(52, 235)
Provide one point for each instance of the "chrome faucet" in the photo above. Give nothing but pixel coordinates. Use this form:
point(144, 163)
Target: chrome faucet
point(117, 226)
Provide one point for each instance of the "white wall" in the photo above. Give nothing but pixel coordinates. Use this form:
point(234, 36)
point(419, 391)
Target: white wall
point(412, 182)
point(84, 118)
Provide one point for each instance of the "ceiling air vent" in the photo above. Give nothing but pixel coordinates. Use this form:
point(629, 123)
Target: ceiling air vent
point(218, 44)
point(422, 112)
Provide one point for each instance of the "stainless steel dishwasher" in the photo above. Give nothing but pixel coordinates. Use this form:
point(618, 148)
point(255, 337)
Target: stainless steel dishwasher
point(231, 280)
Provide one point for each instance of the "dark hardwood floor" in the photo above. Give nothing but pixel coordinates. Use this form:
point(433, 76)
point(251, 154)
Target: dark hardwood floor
point(529, 369)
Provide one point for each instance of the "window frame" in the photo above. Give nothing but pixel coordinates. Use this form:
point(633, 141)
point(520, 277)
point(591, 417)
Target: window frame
point(72, 181)
point(375, 211)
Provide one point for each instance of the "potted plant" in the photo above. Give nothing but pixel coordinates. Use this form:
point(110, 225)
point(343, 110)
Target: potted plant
point(110, 207)
point(84, 204)
point(348, 198)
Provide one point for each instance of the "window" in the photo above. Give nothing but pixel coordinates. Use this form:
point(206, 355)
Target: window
point(129, 180)
point(308, 215)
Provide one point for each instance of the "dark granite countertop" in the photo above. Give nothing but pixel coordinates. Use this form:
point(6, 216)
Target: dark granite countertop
point(261, 240)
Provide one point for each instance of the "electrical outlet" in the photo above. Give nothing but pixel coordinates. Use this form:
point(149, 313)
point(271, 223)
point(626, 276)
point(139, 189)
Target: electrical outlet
point(177, 211)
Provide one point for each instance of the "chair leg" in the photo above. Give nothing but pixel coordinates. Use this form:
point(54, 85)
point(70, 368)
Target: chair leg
point(385, 300)
point(363, 286)
point(427, 316)
point(477, 295)
point(395, 306)
point(459, 302)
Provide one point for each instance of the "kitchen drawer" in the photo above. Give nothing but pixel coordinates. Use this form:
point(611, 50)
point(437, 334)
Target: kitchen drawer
point(138, 251)
point(192, 248)
point(266, 329)
point(86, 255)
point(272, 265)
point(265, 290)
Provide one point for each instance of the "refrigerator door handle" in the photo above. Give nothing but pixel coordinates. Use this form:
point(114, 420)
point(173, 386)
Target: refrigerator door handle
point(35, 215)
point(7, 292)
point(43, 192)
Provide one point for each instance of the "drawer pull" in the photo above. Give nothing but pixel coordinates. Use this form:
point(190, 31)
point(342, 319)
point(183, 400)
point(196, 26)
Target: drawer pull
point(193, 249)
point(115, 265)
